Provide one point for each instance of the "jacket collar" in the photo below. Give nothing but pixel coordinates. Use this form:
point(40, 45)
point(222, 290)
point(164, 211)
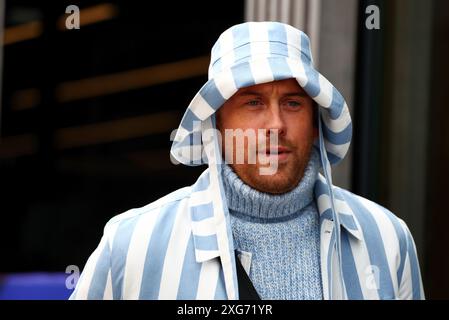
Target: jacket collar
point(348, 220)
point(204, 224)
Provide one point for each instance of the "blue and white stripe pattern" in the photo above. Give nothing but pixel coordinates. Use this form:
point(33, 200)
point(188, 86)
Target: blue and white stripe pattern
point(181, 246)
point(170, 249)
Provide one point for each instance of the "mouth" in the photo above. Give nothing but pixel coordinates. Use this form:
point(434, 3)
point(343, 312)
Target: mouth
point(279, 153)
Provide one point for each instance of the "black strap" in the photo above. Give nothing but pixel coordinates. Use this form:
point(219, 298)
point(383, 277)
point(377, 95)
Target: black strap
point(246, 288)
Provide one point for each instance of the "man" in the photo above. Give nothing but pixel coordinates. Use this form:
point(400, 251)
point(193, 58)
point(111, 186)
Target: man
point(295, 234)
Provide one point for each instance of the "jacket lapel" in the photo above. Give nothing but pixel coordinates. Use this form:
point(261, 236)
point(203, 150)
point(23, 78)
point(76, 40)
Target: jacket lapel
point(330, 266)
point(206, 233)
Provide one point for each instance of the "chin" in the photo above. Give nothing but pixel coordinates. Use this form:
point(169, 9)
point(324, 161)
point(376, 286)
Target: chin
point(279, 183)
point(284, 180)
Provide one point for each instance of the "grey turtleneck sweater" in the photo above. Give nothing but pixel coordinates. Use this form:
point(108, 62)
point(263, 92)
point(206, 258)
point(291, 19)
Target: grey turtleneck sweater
point(281, 232)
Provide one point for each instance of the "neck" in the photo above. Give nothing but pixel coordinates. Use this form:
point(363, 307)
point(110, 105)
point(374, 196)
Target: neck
point(252, 204)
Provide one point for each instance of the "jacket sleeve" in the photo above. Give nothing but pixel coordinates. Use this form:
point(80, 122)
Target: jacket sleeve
point(410, 284)
point(95, 280)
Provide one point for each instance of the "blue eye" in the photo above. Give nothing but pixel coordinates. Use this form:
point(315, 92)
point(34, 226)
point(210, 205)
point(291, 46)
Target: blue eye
point(293, 103)
point(254, 102)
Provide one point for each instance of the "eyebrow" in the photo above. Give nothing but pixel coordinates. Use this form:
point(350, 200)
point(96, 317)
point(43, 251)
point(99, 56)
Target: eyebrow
point(288, 94)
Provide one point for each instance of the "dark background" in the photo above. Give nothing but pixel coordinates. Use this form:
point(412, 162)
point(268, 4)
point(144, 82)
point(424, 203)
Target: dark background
point(56, 199)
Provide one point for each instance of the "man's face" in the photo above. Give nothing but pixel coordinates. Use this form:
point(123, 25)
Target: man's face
point(279, 105)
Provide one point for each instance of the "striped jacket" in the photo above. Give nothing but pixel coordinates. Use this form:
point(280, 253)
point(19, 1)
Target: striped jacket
point(175, 248)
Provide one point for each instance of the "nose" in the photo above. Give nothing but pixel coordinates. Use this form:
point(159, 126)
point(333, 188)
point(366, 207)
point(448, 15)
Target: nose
point(275, 120)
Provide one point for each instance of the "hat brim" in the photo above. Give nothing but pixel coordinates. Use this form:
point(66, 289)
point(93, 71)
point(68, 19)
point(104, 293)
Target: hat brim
point(335, 117)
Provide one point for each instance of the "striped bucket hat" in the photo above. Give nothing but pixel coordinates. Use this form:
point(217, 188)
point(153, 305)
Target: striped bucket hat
point(259, 52)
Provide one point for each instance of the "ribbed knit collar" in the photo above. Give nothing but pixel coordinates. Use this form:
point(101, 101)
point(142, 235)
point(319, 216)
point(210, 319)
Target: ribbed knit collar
point(255, 205)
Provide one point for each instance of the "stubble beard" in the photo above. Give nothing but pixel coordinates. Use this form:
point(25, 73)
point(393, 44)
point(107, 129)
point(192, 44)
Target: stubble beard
point(285, 179)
